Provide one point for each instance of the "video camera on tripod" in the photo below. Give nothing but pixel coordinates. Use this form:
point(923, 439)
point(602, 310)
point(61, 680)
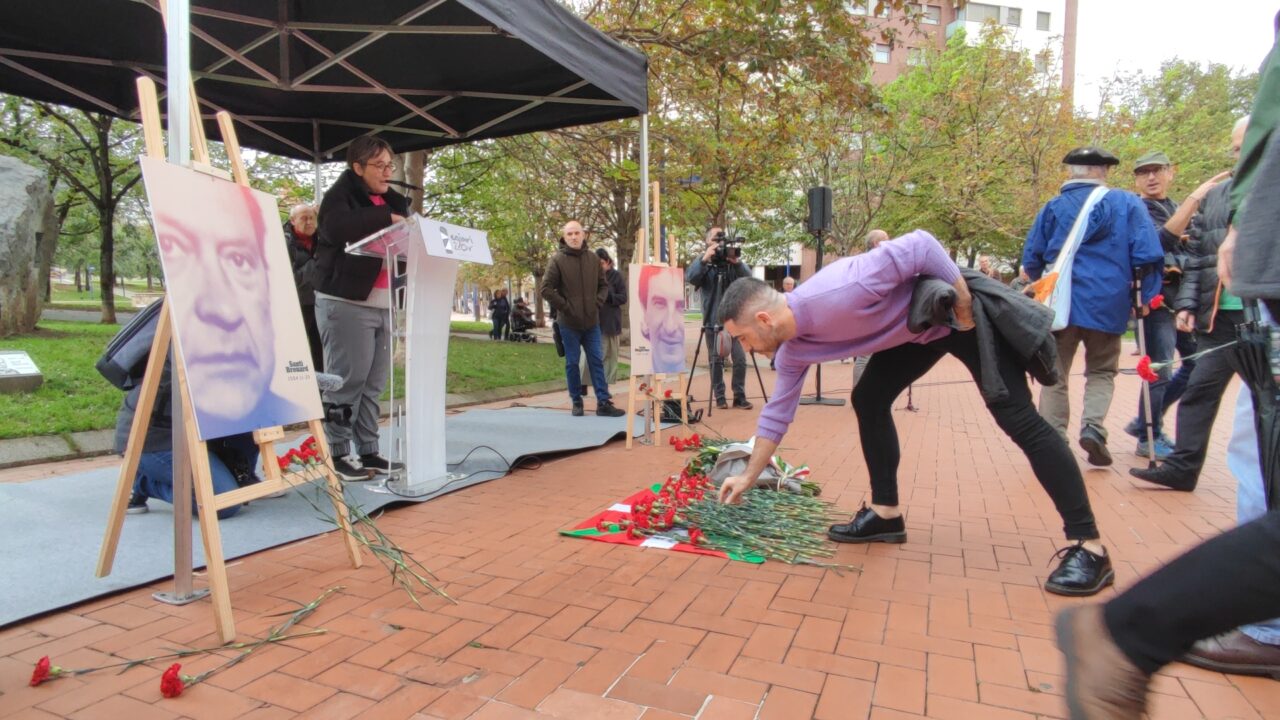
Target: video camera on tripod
point(728, 249)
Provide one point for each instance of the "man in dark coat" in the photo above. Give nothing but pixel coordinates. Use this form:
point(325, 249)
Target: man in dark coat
point(576, 289)
point(300, 237)
point(1214, 312)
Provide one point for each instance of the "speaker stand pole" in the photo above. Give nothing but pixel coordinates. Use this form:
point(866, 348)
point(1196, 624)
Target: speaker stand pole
point(817, 399)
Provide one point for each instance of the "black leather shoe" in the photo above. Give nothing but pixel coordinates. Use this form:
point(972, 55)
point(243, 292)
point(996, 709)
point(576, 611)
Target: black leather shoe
point(722, 404)
point(1095, 445)
point(1080, 573)
point(608, 409)
point(742, 403)
point(1166, 477)
point(577, 409)
point(866, 526)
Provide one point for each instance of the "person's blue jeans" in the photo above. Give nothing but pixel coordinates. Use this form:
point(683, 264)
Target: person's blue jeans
point(576, 342)
point(1161, 339)
point(155, 473)
point(1251, 494)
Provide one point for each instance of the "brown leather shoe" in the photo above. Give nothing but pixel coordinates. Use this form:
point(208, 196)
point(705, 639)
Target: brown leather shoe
point(1102, 683)
point(1236, 654)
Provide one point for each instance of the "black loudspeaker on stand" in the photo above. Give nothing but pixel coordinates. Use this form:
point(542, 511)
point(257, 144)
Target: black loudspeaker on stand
point(819, 224)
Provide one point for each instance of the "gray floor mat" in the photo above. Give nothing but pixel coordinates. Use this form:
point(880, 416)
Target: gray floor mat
point(51, 529)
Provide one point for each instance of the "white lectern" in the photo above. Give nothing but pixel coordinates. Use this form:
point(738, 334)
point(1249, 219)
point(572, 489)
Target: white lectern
point(432, 251)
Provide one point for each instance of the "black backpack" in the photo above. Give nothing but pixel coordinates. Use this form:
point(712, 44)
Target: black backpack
point(125, 358)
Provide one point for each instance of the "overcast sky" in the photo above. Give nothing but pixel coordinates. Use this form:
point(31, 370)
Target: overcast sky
point(1130, 35)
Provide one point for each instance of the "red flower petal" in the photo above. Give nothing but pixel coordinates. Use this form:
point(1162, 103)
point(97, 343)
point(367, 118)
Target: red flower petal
point(666, 394)
point(1144, 369)
point(1157, 302)
point(171, 685)
point(41, 673)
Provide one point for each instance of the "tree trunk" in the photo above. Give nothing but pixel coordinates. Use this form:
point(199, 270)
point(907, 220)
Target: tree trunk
point(106, 256)
point(79, 285)
point(538, 316)
point(149, 285)
point(414, 170)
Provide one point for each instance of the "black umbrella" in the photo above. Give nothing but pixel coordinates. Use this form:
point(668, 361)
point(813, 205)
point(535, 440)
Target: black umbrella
point(1253, 354)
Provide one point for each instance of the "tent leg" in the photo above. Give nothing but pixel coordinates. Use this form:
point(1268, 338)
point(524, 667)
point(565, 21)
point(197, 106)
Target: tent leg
point(644, 180)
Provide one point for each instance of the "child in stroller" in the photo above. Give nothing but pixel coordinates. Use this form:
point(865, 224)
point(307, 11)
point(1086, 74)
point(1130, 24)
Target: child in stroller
point(521, 323)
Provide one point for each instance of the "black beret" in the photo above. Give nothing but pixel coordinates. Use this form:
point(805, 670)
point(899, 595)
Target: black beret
point(1090, 155)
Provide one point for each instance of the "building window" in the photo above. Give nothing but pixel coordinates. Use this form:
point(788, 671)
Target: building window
point(865, 7)
point(1042, 21)
point(980, 12)
point(929, 14)
point(915, 56)
point(1042, 63)
point(881, 53)
point(1013, 17)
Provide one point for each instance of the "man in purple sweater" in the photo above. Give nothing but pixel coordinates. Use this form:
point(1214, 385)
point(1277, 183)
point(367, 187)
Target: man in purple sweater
point(859, 306)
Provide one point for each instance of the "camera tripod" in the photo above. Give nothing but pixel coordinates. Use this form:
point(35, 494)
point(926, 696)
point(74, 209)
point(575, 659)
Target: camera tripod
point(715, 363)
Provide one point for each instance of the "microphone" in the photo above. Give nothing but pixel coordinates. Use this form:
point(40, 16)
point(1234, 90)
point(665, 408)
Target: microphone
point(401, 183)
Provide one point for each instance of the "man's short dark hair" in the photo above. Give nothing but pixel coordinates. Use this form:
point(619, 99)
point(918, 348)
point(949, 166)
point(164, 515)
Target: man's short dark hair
point(742, 296)
point(365, 148)
point(604, 255)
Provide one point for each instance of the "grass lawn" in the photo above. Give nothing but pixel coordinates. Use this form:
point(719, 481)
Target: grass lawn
point(471, 326)
point(484, 365)
point(74, 396)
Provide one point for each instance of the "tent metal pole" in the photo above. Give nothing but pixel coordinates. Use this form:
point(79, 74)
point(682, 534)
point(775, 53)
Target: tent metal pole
point(178, 88)
point(178, 80)
point(644, 184)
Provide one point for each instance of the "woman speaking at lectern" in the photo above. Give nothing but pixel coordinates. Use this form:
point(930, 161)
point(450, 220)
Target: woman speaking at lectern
point(353, 295)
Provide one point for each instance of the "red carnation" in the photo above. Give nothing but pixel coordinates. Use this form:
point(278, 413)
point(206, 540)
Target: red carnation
point(695, 536)
point(1157, 302)
point(666, 394)
point(44, 671)
point(672, 440)
point(1144, 369)
point(679, 446)
point(171, 685)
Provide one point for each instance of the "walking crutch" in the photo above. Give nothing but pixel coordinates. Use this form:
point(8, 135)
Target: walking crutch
point(1142, 350)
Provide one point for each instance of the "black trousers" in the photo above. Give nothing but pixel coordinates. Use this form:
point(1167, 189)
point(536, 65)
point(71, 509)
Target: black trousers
point(889, 372)
point(1219, 585)
point(313, 337)
point(1199, 405)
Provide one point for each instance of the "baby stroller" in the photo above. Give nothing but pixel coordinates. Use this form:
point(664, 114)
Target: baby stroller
point(521, 323)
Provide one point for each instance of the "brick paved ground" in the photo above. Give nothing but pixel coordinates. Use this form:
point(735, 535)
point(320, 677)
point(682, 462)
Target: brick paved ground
point(952, 625)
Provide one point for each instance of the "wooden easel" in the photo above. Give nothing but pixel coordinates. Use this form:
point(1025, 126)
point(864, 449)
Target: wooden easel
point(655, 385)
point(207, 502)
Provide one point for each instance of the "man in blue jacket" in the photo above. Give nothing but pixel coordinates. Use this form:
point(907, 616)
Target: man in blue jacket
point(1118, 239)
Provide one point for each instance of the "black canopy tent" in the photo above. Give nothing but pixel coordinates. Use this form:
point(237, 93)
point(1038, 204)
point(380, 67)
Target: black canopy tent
point(303, 78)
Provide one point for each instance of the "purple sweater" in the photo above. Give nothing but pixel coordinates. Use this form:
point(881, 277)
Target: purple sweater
point(854, 306)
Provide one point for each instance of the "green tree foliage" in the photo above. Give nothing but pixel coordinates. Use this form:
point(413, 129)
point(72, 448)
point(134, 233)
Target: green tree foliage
point(975, 134)
point(93, 155)
point(1186, 110)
